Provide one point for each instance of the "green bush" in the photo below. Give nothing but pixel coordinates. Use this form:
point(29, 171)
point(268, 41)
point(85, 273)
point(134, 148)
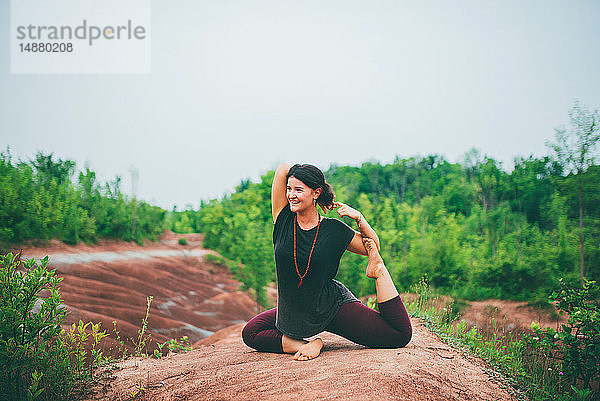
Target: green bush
point(214, 259)
point(182, 241)
point(39, 360)
point(576, 346)
point(42, 200)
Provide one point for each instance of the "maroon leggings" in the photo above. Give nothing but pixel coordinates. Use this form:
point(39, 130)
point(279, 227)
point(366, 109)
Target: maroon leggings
point(389, 328)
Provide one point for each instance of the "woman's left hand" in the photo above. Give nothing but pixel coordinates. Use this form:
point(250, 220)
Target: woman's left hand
point(345, 210)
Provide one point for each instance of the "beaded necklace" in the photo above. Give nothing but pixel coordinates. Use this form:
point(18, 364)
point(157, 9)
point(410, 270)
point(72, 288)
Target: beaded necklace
point(311, 250)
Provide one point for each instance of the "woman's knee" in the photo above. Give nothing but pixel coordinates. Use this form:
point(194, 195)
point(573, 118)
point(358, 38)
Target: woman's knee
point(404, 337)
point(397, 340)
point(248, 335)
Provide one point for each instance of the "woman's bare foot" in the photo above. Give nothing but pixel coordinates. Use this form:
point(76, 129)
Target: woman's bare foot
point(309, 350)
point(291, 345)
point(376, 267)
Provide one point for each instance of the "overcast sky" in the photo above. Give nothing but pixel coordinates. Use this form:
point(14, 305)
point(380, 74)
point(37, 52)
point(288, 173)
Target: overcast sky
point(238, 86)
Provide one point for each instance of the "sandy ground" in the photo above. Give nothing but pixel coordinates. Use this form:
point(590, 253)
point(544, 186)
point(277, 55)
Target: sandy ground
point(223, 368)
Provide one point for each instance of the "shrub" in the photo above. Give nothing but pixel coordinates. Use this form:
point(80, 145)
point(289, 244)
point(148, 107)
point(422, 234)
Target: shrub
point(29, 326)
point(182, 241)
point(576, 346)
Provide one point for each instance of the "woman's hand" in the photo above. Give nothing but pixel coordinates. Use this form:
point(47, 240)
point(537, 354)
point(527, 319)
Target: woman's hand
point(345, 210)
point(356, 245)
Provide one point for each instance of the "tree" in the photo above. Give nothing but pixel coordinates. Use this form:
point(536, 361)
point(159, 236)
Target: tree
point(48, 169)
point(135, 175)
point(574, 149)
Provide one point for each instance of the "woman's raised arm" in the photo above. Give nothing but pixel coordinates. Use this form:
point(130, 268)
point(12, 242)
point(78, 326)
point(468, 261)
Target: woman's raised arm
point(278, 190)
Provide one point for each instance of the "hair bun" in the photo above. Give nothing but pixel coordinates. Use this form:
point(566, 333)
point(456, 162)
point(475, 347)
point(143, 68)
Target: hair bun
point(327, 196)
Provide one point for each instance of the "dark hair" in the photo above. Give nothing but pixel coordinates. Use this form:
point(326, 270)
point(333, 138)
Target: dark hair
point(314, 178)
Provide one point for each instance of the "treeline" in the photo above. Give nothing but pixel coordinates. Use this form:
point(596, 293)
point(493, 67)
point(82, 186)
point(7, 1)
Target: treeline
point(41, 200)
point(474, 229)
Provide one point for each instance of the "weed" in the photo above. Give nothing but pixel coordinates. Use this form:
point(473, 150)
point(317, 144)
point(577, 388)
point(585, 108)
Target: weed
point(372, 303)
point(138, 391)
point(75, 340)
point(122, 348)
point(214, 259)
point(142, 337)
point(491, 311)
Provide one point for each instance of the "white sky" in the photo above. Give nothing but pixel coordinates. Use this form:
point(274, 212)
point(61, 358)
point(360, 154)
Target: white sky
point(238, 86)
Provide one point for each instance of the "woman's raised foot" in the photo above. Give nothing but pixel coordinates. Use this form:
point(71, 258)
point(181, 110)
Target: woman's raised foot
point(376, 267)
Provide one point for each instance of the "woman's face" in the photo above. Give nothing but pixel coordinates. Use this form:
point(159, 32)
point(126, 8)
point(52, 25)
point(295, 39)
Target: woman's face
point(299, 195)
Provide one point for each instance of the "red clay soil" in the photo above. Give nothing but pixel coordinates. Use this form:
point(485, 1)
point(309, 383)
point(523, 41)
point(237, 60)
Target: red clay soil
point(223, 368)
point(510, 314)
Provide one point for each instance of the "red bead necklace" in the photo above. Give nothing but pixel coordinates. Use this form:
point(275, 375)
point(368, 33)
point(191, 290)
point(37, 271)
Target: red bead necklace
point(311, 250)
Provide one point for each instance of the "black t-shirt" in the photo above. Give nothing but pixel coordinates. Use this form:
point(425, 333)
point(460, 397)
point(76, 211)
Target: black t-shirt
point(306, 311)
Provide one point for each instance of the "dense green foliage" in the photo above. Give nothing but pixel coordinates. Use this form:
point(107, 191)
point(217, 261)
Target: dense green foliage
point(476, 230)
point(39, 201)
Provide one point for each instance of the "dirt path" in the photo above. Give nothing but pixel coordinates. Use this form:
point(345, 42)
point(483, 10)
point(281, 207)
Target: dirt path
point(223, 368)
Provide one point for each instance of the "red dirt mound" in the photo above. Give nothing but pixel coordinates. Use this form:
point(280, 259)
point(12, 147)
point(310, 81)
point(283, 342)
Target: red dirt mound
point(223, 368)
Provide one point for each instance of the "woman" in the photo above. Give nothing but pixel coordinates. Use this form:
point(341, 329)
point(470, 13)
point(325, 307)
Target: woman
point(308, 248)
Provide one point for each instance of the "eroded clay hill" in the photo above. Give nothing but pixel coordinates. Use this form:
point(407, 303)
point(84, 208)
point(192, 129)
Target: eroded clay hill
point(110, 282)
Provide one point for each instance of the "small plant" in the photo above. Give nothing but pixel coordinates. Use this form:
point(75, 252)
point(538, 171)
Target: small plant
point(33, 391)
point(182, 241)
point(372, 303)
point(142, 337)
point(582, 395)
point(173, 345)
point(177, 346)
point(138, 391)
point(75, 340)
point(157, 354)
point(122, 348)
point(214, 259)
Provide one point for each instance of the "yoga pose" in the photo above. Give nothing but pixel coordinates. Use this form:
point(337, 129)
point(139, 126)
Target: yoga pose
point(308, 248)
